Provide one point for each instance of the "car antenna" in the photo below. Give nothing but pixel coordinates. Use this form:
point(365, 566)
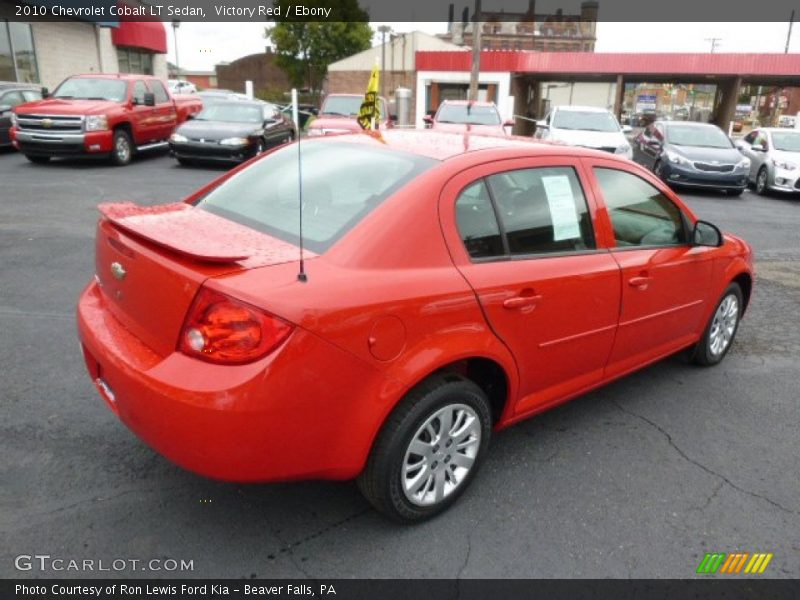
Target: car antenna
point(301, 275)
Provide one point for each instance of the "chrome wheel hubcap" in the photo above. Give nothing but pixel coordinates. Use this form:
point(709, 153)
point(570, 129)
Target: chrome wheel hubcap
point(123, 149)
point(724, 325)
point(441, 454)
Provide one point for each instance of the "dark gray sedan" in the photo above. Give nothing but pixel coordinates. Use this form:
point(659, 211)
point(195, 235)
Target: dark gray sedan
point(696, 155)
point(12, 95)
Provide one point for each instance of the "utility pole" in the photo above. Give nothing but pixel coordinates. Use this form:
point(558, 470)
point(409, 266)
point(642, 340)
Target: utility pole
point(476, 52)
point(789, 35)
point(714, 42)
point(384, 29)
point(175, 24)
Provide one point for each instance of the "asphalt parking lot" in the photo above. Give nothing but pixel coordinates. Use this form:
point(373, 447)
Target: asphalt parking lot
point(639, 479)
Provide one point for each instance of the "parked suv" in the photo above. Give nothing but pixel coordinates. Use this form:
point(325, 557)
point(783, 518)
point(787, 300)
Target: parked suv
point(101, 115)
point(585, 126)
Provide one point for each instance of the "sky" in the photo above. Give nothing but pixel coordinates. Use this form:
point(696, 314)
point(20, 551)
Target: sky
point(202, 45)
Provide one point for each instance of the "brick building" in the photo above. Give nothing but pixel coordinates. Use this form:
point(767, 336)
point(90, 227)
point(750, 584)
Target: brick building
point(47, 52)
point(268, 79)
point(557, 32)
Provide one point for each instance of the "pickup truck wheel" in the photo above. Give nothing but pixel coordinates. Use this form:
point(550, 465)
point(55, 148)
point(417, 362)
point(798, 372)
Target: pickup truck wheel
point(39, 160)
point(122, 152)
point(429, 449)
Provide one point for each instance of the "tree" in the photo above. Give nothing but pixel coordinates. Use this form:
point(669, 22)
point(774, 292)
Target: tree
point(306, 48)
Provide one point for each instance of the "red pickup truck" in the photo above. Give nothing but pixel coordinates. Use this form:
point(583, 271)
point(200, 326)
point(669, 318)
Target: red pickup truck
point(100, 115)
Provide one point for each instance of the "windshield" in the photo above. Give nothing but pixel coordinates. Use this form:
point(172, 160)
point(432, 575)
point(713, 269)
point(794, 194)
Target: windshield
point(585, 120)
point(85, 88)
point(342, 183)
point(347, 106)
point(232, 113)
point(464, 113)
point(788, 142)
point(701, 137)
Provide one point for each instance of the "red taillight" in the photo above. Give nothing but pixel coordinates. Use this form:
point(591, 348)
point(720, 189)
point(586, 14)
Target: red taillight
point(220, 329)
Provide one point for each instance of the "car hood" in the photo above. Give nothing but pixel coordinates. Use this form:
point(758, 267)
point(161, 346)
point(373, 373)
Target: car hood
point(497, 130)
point(57, 106)
point(721, 155)
point(335, 122)
point(783, 155)
point(589, 139)
point(216, 130)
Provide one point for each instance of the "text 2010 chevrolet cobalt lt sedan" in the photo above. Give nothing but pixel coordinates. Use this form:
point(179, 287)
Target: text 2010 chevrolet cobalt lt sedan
point(453, 285)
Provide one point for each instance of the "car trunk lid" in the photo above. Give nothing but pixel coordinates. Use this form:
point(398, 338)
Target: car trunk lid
point(150, 262)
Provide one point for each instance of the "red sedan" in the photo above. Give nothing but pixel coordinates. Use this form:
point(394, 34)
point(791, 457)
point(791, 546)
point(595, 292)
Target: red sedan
point(452, 285)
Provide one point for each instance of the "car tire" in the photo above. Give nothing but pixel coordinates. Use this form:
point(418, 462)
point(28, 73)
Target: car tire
point(39, 160)
point(761, 182)
point(122, 148)
point(657, 170)
point(721, 329)
point(410, 487)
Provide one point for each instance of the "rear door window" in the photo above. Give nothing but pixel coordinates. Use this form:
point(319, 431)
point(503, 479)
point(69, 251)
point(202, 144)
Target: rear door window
point(477, 222)
point(159, 91)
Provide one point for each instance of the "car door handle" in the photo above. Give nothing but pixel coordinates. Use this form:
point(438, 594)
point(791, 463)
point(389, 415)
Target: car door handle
point(521, 301)
point(639, 282)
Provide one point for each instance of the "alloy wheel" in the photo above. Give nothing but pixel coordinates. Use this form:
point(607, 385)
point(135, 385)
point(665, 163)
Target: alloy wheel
point(123, 149)
point(441, 454)
point(724, 325)
point(761, 181)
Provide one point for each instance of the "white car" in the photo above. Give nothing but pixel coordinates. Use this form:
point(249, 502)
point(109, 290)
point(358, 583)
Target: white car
point(585, 126)
point(179, 86)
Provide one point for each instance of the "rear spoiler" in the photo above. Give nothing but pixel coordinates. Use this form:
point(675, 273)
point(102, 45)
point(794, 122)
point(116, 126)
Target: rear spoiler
point(195, 233)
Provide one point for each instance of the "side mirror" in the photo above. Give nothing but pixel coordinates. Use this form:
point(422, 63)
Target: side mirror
point(428, 120)
point(758, 148)
point(4, 108)
point(149, 99)
point(45, 92)
point(706, 234)
point(393, 118)
point(627, 129)
point(509, 123)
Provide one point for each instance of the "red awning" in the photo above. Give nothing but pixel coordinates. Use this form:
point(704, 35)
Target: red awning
point(149, 35)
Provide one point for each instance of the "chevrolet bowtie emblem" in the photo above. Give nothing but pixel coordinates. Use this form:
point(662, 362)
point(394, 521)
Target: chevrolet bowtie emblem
point(47, 123)
point(118, 271)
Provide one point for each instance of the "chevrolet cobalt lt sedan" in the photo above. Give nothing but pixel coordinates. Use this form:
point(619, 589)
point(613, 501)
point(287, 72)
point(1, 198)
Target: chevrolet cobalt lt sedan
point(451, 286)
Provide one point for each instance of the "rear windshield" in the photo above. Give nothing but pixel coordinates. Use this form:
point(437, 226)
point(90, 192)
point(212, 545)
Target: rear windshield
point(585, 120)
point(464, 113)
point(231, 112)
point(84, 88)
point(342, 183)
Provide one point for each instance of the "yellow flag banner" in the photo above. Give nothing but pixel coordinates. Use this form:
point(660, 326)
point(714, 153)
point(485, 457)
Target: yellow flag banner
point(370, 113)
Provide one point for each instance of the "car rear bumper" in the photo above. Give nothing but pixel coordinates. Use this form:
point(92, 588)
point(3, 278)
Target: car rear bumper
point(294, 414)
point(57, 144)
point(212, 152)
point(690, 177)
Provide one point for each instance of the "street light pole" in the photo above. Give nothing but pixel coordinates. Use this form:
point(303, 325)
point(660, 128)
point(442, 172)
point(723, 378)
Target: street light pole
point(175, 24)
point(789, 35)
point(714, 41)
point(384, 29)
point(476, 52)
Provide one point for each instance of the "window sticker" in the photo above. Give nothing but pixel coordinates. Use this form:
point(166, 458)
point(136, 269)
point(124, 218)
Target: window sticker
point(562, 207)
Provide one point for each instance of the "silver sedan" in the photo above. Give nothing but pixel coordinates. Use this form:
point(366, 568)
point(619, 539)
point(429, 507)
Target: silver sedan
point(774, 155)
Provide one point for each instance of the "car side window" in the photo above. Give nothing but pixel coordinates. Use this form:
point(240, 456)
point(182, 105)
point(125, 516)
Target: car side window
point(658, 131)
point(159, 92)
point(477, 222)
point(640, 214)
point(542, 210)
point(750, 137)
point(139, 90)
point(761, 140)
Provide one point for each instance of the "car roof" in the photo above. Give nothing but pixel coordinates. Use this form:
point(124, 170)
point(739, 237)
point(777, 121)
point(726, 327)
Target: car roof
point(446, 145)
point(689, 123)
point(120, 76)
point(780, 129)
point(238, 103)
point(15, 85)
point(466, 102)
point(582, 108)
